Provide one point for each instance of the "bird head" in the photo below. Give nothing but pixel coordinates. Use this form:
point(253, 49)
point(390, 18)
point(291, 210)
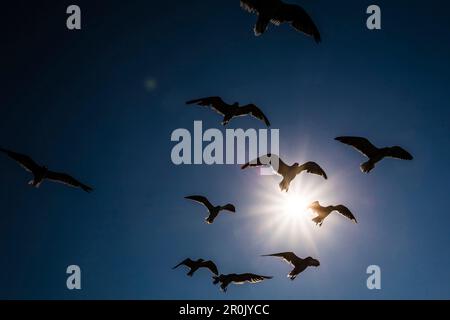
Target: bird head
point(236, 104)
point(312, 262)
point(200, 260)
point(314, 204)
point(296, 164)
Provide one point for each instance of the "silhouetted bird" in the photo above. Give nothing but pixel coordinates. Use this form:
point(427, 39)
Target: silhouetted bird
point(42, 173)
point(277, 12)
point(287, 172)
point(323, 212)
point(373, 153)
point(195, 265)
point(226, 279)
point(213, 210)
point(230, 111)
point(299, 264)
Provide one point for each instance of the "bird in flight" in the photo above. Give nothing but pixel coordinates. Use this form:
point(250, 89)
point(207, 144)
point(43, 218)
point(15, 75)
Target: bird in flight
point(197, 264)
point(42, 173)
point(299, 264)
point(374, 154)
point(213, 210)
point(278, 12)
point(226, 279)
point(230, 111)
point(323, 212)
point(287, 172)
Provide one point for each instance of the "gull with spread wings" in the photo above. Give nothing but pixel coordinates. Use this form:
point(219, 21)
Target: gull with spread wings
point(230, 111)
point(212, 210)
point(323, 212)
point(287, 172)
point(194, 265)
point(42, 173)
point(299, 264)
point(374, 154)
point(278, 12)
point(226, 279)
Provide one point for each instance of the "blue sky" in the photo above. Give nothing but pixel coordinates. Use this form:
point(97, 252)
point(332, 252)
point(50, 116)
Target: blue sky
point(77, 101)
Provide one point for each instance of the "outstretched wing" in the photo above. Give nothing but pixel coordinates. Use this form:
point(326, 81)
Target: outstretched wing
point(216, 103)
point(314, 168)
point(248, 277)
point(361, 144)
point(299, 19)
point(268, 160)
point(25, 161)
point(211, 266)
point(229, 207)
point(186, 262)
point(255, 112)
point(67, 180)
point(397, 152)
point(252, 6)
point(201, 199)
point(345, 212)
point(289, 257)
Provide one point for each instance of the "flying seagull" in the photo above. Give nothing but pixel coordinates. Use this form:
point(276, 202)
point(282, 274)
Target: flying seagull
point(195, 265)
point(323, 212)
point(230, 111)
point(42, 173)
point(278, 12)
point(299, 264)
point(226, 279)
point(287, 172)
point(213, 210)
point(373, 153)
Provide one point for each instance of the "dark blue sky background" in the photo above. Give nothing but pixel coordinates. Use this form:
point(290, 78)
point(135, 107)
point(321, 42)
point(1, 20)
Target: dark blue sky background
point(77, 101)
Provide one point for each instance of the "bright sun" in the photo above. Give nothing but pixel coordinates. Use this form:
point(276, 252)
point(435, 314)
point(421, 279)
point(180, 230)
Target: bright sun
point(283, 218)
point(294, 206)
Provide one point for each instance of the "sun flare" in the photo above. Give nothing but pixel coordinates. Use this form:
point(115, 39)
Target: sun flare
point(284, 217)
point(294, 206)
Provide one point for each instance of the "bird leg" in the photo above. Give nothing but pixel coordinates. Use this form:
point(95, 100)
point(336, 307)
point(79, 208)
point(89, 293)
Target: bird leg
point(366, 167)
point(284, 185)
point(318, 220)
point(226, 119)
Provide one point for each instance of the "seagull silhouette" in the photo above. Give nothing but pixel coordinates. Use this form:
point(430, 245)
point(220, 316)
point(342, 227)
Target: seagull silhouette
point(278, 12)
point(323, 212)
point(231, 111)
point(299, 264)
point(194, 265)
point(213, 210)
point(42, 173)
point(374, 154)
point(226, 279)
point(287, 172)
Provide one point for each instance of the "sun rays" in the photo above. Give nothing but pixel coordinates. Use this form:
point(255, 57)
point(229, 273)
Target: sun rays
point(283, 219)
